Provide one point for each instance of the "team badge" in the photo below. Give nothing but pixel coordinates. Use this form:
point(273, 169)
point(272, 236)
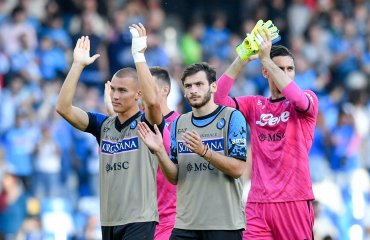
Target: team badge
point(221, 123)
point(133, 125)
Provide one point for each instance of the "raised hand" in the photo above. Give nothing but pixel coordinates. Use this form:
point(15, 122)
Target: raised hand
point(81, 53)
point(139, 45)
point(270, 27)
point(251, 44)
point(265, 43)
point(152, 140)
point(108, 100)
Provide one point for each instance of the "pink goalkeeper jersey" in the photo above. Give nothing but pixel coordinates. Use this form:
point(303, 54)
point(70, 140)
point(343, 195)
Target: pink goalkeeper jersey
point(281, 137)
point(166, 192)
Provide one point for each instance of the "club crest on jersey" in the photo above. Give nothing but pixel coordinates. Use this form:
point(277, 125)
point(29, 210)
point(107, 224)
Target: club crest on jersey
point(133, 124)
point(216, 145)
point(124, 145)
point(221, 123)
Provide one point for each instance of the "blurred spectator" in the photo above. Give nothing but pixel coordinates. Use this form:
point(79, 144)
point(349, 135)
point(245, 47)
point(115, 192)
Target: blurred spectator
point(345, 143)
point(216, 38)
point(299, 16)
point(47, 166)
point(14, 27)
point(277, 11)
point(31, 229)
point(53, 28)
point(191, 49)
point(346, 49)
point(25, 63)
point(320, 150)
point(95, 74)
point(89, 10)
point(52, 59)
point(4, 65)
point(155, 54)
point(19, 143)
point(330, 105)
point(119, 46)
point(15, 211)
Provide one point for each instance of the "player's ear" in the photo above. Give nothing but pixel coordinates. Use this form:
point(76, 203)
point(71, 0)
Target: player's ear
point(138, 95)
point(165, 90)
point(213, 87)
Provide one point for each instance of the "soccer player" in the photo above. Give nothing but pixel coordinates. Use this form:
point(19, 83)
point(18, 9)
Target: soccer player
point(207, 158)
point(166, 192)
point(279, 204)
point(128, 203)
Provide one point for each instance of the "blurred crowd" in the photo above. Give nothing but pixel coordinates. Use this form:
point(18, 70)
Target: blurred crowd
point(49, 170)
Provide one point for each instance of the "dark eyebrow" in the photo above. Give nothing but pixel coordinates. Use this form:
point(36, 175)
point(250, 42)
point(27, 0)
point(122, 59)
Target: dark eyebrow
point(118, 88)
point(189, 84)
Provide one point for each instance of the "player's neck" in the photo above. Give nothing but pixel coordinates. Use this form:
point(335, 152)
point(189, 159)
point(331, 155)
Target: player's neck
point(124, 116)
point(205, 110)
point(165, 109)
point(276, 94)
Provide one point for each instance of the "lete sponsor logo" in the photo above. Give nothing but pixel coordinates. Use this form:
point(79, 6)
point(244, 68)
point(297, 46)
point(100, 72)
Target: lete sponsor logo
point(271, 120)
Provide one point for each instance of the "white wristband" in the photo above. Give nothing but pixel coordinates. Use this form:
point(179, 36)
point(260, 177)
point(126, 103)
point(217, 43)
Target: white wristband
point(138, 57)
point(138, 44)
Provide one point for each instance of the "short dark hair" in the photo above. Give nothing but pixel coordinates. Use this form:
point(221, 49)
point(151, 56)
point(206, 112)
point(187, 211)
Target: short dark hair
point(197, 67)
point(279, 50)
point(162, 75)
point(126, 72)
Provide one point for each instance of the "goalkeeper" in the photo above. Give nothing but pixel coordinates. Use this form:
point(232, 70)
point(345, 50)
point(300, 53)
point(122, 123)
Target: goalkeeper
point(279, 204)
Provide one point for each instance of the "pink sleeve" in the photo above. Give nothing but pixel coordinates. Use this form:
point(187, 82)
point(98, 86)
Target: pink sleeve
point(224, 84)
point(166, 139)
point(296, 96)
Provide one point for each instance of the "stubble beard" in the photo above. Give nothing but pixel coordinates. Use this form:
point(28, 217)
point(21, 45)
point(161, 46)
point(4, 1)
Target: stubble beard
point(204, 101)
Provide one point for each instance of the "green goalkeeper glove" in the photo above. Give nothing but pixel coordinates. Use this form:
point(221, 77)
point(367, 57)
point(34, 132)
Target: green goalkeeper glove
point(274, 31)
point(250, 46)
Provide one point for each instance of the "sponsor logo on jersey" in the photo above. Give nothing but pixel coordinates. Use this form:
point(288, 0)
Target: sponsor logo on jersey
point(239, 141)
point(214, 144)
point(181, 130)
point(271, 120)
point(199, 167)
point(124, 145)
point(271, 137)
point(208, 135)
point(116, 166)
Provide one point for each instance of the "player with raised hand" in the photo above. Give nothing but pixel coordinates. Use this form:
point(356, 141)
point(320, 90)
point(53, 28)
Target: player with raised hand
point(279, 204)
point(128, 205)
point(166, 192)
point(250, 45)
